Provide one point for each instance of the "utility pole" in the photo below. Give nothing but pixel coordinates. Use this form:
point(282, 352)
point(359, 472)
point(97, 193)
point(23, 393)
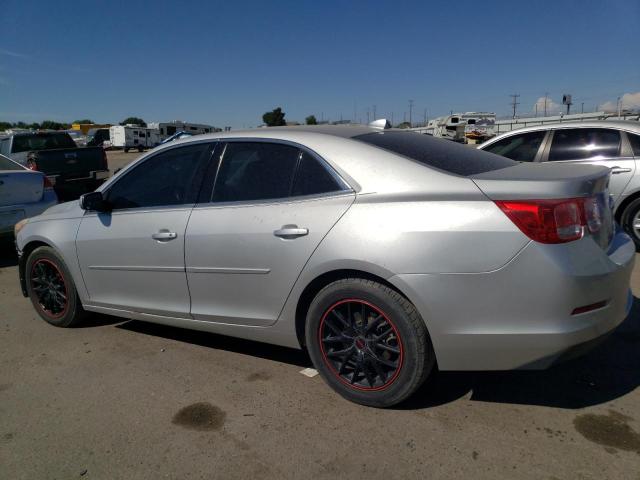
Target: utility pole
point(368, 121)
point(546, 95)
point(619, 105)
point(355, 111)
point(425, 117)
point(536, 109)
point(392, 119)
point(515, 102)
point(410, 113)
point(582, 107)
point(374, 113)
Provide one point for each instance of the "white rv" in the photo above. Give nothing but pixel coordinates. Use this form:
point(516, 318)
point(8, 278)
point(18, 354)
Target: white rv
point(133, 137)
point(166, 129)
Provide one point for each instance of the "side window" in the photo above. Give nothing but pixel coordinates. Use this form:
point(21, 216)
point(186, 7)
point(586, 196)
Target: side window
point(635, 143)
point(168, 178)
point(521, 148)
point(255, 171)
point(313, 178)
point(584, 144)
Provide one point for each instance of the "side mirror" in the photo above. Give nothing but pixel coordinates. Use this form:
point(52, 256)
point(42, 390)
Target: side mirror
point(94, 201)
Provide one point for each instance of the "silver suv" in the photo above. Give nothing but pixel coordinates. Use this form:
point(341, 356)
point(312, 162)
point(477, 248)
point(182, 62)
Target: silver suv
point(614, 144)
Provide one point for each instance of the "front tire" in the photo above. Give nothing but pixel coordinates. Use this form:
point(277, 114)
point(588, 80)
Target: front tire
point(630, 221)
point(368, 342)
point(51, 289)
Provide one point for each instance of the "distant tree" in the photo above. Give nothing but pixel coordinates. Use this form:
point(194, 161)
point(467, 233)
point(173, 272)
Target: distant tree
point(52, 125)
point(274, 118)
point(5, 126)
point(311, 120)
point(84, 120)
point(134, 121)
point(404, 125)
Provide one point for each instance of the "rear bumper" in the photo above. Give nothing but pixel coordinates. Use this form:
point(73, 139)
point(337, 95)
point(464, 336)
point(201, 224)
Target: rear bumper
point(520, 316)
point(26, 210)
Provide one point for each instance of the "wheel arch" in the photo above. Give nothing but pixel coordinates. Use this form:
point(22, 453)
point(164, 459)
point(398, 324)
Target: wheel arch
point(26, 251)
point(624, 204)
point(321, 281)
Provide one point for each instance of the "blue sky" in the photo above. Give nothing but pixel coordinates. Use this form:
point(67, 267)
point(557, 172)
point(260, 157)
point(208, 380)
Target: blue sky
point(226, 63)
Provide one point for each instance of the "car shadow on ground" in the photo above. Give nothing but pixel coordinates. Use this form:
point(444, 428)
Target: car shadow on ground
point(608, 372)
point(221, 342)
point(8, 256)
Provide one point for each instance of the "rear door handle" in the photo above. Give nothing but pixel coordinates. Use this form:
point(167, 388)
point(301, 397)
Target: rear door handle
point(291, 231)
point(616, 170)
point(164, 236)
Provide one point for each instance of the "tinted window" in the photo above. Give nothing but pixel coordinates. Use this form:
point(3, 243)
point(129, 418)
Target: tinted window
point(635, 143)
point(521, 148)
point(168, 178)
point(6, 164)
point(436, 152)
point(255, 171)
point(42, 141)
point(584, 143)
point(313, 178)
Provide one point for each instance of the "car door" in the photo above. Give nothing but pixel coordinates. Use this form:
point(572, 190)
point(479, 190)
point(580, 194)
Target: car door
point(132, 257)
point(247, 243)
point(595, 146)
point(522, 147)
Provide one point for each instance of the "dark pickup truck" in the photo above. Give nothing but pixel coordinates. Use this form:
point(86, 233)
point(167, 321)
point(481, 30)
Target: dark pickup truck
point(73, 171)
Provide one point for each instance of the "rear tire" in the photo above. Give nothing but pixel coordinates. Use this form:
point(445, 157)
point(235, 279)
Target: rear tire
point(51, 289)
point(368, 342)
point(630, 216)
point(126, 150)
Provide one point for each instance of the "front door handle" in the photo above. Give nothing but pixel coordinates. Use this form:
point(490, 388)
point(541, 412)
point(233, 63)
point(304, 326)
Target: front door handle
point(616, 170)
point(164, 236)
point(291, 231)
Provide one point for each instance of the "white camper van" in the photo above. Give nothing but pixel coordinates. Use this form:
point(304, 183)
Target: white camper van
point(167, 129)
point(129, 137)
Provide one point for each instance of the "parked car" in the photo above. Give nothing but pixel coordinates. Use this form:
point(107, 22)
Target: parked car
point(23, 194)
point(613, 144)
point(177, 136)
point(72, 170)
point(382, 252)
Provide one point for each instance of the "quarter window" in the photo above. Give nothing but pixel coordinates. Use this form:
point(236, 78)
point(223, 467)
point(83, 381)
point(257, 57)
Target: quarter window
point(521, 148)
point(172, 177)
point(312, 178)
point(584, 144)
point(635, 143)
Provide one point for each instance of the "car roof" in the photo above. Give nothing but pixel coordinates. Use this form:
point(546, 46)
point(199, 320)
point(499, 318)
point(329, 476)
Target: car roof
point(628, 125)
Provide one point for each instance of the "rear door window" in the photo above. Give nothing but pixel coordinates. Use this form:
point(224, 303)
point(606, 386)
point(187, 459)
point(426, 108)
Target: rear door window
point(584, 144)
point(521, 148)
point(255, 171)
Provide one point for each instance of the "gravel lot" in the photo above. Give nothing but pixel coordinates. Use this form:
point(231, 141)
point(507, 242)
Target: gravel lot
point(124, 399)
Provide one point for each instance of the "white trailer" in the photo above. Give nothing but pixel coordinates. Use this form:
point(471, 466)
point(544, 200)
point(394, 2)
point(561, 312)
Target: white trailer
point(133, 137)
point(166, 129)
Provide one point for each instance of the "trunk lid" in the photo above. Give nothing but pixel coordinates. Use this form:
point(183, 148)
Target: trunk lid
point(553, 181)
point(20, 186)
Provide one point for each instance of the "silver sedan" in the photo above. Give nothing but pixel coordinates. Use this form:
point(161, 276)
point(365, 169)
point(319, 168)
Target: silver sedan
point(383, 253)
point(23, 193)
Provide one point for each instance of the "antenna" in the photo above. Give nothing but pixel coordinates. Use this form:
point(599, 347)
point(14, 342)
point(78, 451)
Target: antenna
point(410, 113)
point(515, 102)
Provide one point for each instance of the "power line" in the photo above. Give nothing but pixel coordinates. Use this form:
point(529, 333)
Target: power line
point(515, 102)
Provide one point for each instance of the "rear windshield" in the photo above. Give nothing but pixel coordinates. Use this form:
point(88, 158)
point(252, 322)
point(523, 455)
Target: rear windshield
point(6, 164)
point(41, 141)
point(442, 154)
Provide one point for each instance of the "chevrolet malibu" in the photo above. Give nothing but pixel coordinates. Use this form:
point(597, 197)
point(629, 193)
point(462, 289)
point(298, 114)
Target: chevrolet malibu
point(384, 253)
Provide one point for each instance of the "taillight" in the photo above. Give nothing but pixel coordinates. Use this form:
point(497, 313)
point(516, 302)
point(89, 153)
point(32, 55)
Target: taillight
point(47, 183)
point(555, 221)
point(32, 165)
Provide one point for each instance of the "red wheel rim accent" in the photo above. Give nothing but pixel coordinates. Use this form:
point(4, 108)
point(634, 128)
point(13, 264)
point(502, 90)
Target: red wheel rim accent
point(363, 347)
point(44, 285)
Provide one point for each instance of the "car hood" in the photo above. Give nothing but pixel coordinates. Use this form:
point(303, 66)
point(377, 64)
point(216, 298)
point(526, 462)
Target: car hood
point(62, 210)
